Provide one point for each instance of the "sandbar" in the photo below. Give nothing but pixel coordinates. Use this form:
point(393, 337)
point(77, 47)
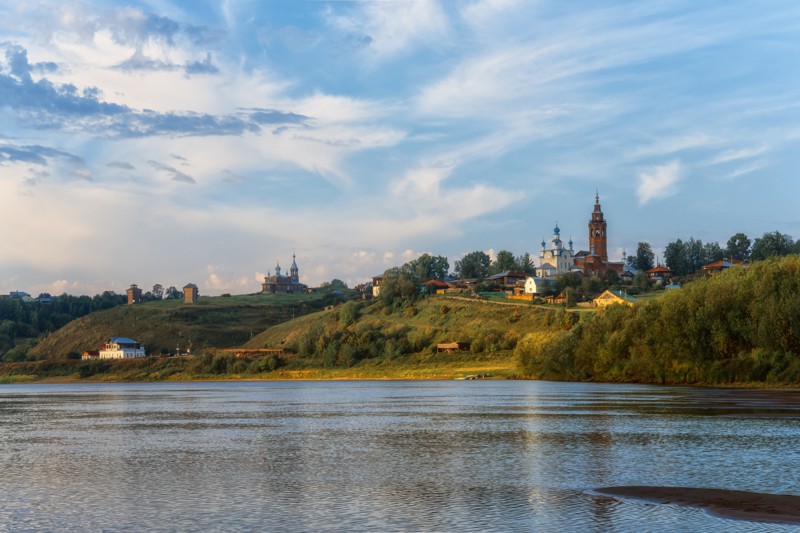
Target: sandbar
point(737, 504)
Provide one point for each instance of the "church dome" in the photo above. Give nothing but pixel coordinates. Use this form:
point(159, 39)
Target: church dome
point(556, 230)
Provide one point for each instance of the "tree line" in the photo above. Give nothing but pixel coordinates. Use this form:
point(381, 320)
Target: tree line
point(737, 326)
point(21, 320)
point(685, 257)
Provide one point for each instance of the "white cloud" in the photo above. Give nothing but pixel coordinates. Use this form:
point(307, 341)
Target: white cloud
point(394, 27)
point(659, 182)
point(738, 154)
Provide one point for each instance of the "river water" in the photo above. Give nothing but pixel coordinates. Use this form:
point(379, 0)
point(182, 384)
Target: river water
point(383, 455)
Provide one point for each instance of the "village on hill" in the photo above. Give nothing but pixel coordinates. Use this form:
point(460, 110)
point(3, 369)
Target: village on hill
point(562, 276)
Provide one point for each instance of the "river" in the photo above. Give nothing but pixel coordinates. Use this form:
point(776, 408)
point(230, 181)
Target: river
point(383, 455)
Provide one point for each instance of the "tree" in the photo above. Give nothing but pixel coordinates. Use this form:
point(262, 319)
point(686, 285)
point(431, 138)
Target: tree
point(694, 254)
point(473, 265)
point(172, 293)
point(505, 261)
point(525, 264)
point(712, 251)
point(158, 291)
point(645, 258)
point(676, 258)
point(738, 247)
point(772, 245)
point(427, 267)
point(397, 283)
point(337, 284)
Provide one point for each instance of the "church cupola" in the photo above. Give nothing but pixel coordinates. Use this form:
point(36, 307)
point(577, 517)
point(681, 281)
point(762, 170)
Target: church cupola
point(278, 269)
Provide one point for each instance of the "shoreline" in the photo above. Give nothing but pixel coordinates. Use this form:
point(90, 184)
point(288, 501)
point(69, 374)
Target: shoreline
point(732, 504)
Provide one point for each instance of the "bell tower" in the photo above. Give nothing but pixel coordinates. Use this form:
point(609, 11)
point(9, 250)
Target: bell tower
point(597, 231)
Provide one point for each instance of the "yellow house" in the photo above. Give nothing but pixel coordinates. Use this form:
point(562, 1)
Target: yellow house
point(613, 297)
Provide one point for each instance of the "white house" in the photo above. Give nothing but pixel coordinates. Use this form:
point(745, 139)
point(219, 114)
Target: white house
point(121, 348)
point(536, 284)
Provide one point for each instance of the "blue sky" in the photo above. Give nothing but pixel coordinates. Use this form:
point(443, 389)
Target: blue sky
point(176, 142)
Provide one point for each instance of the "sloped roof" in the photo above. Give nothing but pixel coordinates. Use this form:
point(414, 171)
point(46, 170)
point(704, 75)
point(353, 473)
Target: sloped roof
point(724, 263)
point(617, 295)
point(436, 283)
point(123, 340)
point(659, 270)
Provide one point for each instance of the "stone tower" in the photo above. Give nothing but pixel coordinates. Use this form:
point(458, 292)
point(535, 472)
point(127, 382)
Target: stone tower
point(294, 271)
point(597, 231)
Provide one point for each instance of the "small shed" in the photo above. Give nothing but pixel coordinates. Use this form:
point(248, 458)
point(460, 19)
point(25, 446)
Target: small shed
point(448, 347)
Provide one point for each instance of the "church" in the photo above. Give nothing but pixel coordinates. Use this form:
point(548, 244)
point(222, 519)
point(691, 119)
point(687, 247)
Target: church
point(283, 284)
point(593, 262)
point(557, 260)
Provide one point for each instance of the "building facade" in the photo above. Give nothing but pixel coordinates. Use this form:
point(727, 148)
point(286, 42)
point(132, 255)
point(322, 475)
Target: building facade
point(190, 293)
point(134, 294)
point(121, 348)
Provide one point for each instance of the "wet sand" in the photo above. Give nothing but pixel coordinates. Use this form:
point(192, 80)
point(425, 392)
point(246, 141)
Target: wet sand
point(736, 504)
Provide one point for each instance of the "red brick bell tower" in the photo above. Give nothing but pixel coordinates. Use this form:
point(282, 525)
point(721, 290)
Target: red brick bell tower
point(597, 231)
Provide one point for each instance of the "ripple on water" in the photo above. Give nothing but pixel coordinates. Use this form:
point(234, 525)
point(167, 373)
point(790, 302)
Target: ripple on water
point(378, 456)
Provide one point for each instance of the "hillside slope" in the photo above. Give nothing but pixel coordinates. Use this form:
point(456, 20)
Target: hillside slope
point(361, 335)
point(165, 326)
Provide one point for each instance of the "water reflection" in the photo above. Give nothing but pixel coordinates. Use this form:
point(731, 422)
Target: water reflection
point(388, 456)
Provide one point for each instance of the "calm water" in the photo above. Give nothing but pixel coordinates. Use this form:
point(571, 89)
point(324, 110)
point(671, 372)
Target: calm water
point(382, 456)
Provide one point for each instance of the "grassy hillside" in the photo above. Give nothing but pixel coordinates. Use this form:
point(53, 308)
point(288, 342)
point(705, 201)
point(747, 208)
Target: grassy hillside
point(355, 340)
point(375, 339)
point(165, 325)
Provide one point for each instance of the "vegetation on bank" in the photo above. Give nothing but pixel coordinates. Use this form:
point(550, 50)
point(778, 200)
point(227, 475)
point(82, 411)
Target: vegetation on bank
point(171, 327)
point(21, 322)
point(742, 325)
point(367, 340)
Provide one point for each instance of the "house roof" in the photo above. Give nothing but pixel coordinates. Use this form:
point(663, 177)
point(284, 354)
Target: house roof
point(659, 270)
point(123, 340)
point(190, 286)
point(724, 263)
point(436, 283)
point(617, 295)
point(508, 274)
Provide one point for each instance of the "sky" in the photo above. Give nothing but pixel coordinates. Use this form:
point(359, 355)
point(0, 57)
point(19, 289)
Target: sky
point(206, 141)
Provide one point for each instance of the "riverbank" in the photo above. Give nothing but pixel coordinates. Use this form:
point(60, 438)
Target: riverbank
point(499, 365)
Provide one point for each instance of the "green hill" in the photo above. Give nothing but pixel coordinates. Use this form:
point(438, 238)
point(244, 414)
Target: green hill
point(376, 339)
point(166, 325)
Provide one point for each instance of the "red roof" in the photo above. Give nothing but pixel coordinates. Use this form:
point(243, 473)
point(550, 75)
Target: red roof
point(723, 263)
point(436, 283)
point(659, 270)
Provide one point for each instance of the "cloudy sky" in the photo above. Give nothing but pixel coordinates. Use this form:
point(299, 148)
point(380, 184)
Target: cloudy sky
point(175, 141)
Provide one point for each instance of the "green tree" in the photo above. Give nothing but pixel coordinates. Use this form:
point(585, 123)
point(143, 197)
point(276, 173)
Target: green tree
point(738, 247)
point(677, 258)
point(398, 283)
point(427, 267)
point(712, 251)
point(473, 265)
point(694, 254)
point(773, 244)
point(172, 293)
point(337, 284)
point(505, 261)
point(645, 258)
point(525, 264)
